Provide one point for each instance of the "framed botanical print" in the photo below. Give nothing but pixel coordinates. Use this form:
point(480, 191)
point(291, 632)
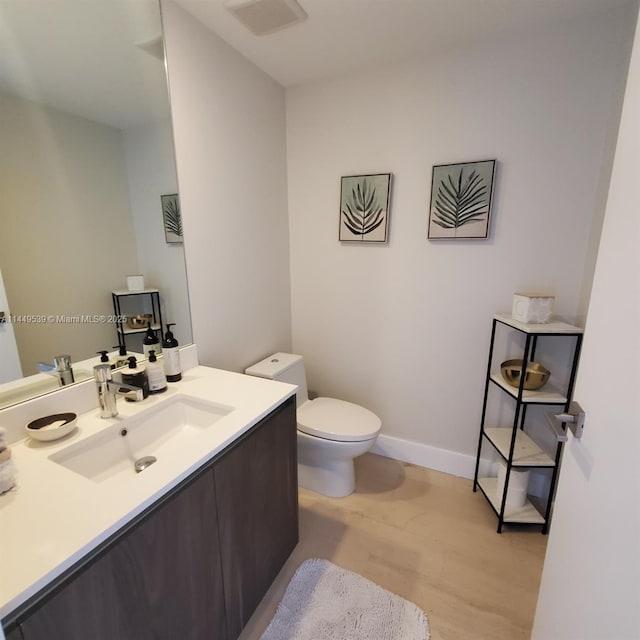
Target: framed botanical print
point(171, 218)
point(364, 208)
point(461, 197)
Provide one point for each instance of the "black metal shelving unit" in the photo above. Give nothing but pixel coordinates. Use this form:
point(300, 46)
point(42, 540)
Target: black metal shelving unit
point(513, 444)
point(156, 320)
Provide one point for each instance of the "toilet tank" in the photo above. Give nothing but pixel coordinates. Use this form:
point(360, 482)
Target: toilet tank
point(283, 367)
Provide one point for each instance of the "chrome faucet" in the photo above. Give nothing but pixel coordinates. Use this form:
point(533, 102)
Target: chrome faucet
point(108, 390)
point(61, 369)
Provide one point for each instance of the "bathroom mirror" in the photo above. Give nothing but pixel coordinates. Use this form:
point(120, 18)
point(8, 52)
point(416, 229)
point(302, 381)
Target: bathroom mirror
point(87, 153)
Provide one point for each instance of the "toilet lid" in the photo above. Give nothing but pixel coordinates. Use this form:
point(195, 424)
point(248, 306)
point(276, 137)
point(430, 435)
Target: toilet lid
point(337, 420)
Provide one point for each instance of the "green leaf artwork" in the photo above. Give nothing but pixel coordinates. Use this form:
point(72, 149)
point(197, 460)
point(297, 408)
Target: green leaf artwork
point(172, 218)
point(458, 204)
point(364, 208)
point(461, 200)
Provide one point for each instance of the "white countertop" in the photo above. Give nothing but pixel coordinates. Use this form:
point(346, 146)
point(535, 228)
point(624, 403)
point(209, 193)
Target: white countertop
point(53, 516)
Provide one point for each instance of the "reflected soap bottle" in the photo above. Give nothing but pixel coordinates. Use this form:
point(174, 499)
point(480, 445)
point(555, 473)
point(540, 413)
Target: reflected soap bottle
point(104, 358)
point(136, 377)
point(121, 360)
point(151, 342)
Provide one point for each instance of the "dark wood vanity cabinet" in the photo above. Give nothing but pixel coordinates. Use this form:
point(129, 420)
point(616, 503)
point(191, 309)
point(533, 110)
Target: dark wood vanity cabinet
point(197, 564)
point(257, 493)
point(163, 579)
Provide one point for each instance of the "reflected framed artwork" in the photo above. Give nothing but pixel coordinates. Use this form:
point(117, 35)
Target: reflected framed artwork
point(171, 218)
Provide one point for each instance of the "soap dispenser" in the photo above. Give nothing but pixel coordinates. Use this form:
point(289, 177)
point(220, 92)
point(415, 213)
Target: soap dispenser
point(121, 359)
point(155, 374)
point(150, 342)
point(136, 377)
point(171, 355)
point(104, 358)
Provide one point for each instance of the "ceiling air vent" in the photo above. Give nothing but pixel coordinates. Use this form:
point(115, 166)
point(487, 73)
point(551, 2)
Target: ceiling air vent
point(266, 16)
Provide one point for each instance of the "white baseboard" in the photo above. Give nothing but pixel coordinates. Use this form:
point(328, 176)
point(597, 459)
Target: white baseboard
point(423, 455)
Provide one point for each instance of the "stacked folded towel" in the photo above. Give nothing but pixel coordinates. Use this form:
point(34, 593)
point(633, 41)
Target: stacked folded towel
point(7, 468)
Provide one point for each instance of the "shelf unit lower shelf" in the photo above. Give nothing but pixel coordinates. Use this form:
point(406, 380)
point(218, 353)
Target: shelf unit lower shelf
point(526, 452)
point(527, 514)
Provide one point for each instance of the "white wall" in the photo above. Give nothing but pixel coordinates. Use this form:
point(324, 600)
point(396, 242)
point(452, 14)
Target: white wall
point(10, 362)
point(66, 213)
point(152, 173)
point(591, 580)
point(404, 328)
point(229, 128)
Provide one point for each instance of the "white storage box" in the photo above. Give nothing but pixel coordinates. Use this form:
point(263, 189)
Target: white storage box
point(534, 308)
point(135, 283)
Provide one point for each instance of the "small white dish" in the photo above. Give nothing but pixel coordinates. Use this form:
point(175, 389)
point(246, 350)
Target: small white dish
point(52, 427)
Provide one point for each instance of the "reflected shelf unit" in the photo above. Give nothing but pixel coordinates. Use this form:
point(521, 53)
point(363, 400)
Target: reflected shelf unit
point(512, 444)
point(149, 296)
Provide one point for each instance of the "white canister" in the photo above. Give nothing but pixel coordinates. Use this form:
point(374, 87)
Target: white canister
point(534, 308)
point(135, 283)
point(518, 483)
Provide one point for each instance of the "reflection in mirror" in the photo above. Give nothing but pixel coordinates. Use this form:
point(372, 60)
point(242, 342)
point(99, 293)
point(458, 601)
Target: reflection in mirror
point(87, 153)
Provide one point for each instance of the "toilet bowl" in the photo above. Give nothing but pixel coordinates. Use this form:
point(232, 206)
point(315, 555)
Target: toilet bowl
point(331, 432)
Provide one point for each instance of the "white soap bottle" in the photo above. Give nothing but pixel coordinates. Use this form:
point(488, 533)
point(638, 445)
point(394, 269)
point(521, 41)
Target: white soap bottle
point(171, 355)
point(155, 374)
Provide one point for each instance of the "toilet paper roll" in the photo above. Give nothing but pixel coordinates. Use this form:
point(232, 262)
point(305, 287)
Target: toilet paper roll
point(518, 483)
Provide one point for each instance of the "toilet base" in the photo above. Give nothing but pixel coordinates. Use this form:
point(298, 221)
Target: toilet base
point(335, 479)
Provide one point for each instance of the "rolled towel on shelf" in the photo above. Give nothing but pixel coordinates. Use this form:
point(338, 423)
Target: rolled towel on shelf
point(7, 467)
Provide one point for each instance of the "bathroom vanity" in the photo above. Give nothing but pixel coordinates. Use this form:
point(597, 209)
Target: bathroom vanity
point(185, 549)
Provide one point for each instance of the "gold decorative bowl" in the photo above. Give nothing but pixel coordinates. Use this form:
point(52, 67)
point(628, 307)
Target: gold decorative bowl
point(535, 376)
point(141, 321)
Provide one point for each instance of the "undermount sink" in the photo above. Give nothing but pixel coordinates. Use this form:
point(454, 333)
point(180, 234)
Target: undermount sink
point(141, 439)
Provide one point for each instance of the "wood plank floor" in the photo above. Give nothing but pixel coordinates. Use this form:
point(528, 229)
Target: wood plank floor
point(427, 537)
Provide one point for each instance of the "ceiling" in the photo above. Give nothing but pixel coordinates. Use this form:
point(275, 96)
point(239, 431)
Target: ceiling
point(343, 36)
point(81, 56)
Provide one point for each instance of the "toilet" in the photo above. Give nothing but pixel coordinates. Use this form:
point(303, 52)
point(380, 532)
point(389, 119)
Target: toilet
point(331, 433)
